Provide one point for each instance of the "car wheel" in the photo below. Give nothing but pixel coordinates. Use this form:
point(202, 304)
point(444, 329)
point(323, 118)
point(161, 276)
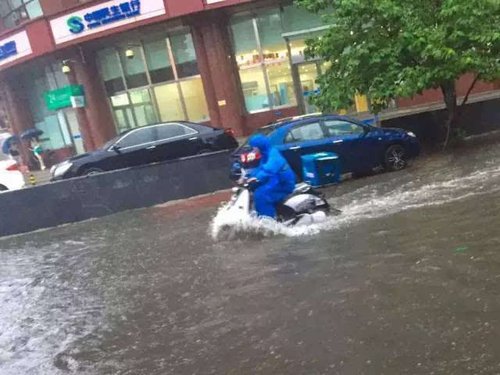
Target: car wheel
point(395, 158)
point(92, 171)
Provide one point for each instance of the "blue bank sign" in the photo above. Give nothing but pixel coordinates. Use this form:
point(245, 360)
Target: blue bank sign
point(8, 49)
point(105, 16)
point(14, 47)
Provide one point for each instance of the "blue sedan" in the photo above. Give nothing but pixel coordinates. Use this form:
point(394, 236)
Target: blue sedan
point(361, 147)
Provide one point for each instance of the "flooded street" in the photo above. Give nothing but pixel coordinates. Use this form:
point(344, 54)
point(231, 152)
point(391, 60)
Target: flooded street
point(405, 281)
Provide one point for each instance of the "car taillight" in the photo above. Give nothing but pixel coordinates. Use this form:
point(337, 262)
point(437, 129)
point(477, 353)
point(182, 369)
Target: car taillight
point(13, 167)
point(250, 157)
point(229, 132)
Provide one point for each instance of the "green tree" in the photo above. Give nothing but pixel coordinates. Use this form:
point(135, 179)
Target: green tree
point(398, 48)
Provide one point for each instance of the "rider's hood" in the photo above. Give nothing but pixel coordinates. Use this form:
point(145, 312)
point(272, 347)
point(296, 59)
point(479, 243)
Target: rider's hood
point(262, 143)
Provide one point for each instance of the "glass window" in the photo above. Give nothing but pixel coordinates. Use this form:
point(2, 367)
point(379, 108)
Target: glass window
point(265, 74)
point(194, 96)
point(125, 119)
point(158, 61)
point(169, 102)
point(122, 110)
point(52, 137)
point(134, 69)
point(245, 43)
point(298, 19)
point(14, 12)
point(166, 71)
point(281, 84)
point(12, 20)
point(109, 66)
point(4, 8)
point(143, 107)
point(173, 131)
point(338, 128)
point(184, 55)
point(34, 9)
point(254, 89)
point(120, 100)
point(307, 132)
point(15, 3)
point(133, 109)
point(139, 137)
point(273, 44)
point(64, 127)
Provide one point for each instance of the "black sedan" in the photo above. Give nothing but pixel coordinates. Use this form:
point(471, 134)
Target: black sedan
point(146, 145)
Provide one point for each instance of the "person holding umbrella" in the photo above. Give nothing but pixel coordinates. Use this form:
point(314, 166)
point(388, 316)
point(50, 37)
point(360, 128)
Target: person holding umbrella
point(32, 135)
point(37, 149)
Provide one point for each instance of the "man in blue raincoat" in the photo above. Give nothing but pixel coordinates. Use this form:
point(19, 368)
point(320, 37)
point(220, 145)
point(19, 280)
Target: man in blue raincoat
point(274, 178)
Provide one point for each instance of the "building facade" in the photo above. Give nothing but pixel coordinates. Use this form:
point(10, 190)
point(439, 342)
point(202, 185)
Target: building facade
point(83, 71)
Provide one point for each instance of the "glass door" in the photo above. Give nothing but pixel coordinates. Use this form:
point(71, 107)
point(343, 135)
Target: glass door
point(74, 129)
point(306, 75)
point(133, 109)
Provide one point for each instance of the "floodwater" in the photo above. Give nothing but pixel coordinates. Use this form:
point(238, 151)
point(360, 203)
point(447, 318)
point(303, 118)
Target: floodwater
point(405, 281)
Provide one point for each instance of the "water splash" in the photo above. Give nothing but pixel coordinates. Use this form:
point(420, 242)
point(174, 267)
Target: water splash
point(368, 203)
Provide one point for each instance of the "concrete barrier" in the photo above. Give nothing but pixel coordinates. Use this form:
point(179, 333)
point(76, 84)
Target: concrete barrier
point(104, 194)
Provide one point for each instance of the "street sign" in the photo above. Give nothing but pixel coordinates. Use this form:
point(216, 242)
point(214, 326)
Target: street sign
point(64, 97)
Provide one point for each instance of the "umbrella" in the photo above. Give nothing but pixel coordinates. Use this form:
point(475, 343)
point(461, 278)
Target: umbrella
point(7, 143)
point(31, 133)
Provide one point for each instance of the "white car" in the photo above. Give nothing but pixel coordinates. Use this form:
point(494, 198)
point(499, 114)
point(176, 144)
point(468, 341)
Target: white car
point(10, 176)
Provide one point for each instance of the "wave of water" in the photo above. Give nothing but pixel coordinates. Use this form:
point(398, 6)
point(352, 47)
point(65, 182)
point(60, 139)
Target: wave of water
point(368, 203)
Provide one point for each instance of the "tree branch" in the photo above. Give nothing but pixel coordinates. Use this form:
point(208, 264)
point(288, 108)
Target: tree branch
point(466, 97)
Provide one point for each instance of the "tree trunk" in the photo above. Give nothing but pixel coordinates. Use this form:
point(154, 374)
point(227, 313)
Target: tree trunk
point(469, 91)
point(450, 99)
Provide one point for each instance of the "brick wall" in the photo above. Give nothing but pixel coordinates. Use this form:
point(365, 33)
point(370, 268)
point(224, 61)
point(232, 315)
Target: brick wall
point(432, 96)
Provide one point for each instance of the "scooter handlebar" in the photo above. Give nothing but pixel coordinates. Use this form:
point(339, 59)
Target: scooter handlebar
point(247, 182)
